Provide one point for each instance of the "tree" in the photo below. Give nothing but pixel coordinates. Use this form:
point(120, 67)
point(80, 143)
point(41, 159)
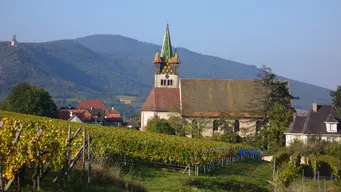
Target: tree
point(197, 127)
point(228, 135)
point(276, 108)
point(178, 124)
point(160, 126)
point(279, 121)
point(136, 117)
point(29, 99)
point(276, 92)
point(336, 95)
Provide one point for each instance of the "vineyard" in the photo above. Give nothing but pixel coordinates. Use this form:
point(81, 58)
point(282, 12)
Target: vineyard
point(38, 140)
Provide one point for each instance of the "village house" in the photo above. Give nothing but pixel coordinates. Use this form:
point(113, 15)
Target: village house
point(322, 121)
point(131, 123)
point(93, 112)
point(198, 100)
point(74, 115)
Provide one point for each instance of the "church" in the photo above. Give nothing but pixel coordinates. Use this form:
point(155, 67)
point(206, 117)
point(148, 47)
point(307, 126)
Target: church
point(198, 98)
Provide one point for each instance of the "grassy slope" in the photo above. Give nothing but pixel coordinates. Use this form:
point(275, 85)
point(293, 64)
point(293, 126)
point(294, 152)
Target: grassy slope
point(250, 168)
point(146, 178)
point(156, 180)
point(150, 178)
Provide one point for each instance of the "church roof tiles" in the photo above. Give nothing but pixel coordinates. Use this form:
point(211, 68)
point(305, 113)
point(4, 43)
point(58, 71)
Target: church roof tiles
point(163, 100)
point(208, 97)
point(212, 97)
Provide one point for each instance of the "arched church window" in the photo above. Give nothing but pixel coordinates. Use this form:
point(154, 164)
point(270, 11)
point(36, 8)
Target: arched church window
point(168, 82)
point(258, 126)
point(215, 125)
point(171, 82)
point(236, 126)
point(161, 81)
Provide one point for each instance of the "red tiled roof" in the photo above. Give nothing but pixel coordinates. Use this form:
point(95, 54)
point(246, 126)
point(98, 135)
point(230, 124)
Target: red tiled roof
point(114, 113)
point(163, 100)
point(87, 104)
point(157, 58)
point(83, 115)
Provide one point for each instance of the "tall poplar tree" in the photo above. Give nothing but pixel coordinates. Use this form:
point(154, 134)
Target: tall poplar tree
point(277, 109)
point(336, 98)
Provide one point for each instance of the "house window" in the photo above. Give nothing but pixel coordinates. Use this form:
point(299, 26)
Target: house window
point(236, 126)
point(215, 125)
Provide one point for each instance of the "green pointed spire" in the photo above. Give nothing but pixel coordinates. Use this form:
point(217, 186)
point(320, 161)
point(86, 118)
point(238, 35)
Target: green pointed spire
point(166, 52)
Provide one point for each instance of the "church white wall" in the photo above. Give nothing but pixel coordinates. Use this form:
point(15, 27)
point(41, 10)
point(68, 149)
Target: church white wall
point(247, 126)
point(159, 77)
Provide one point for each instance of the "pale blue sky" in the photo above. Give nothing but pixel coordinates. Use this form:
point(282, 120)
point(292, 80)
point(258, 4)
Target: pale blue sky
point(300, 39)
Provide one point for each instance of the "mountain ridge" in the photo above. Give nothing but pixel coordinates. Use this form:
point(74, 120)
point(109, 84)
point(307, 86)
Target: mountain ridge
point(104, 66)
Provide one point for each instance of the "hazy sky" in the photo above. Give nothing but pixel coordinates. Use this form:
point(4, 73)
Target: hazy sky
point(300, 39)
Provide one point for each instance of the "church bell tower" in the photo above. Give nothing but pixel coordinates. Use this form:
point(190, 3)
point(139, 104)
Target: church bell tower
point(166, 65)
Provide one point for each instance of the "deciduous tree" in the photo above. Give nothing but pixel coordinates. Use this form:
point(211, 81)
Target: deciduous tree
point(225, 124)
point(178, 124)
point(160, 126)
point(336, 95)
point(29, 99)
point(197, 127)
point(276, 108)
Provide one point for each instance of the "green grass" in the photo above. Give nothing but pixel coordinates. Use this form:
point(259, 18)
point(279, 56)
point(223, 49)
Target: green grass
point(153, 179)
point(311, 185)
point(252, 168)
point(250, 174)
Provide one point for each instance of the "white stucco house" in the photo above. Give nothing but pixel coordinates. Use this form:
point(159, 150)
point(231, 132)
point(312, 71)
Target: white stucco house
point(323, 121)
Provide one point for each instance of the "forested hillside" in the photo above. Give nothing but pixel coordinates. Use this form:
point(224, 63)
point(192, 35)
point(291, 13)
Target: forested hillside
point(104, 66)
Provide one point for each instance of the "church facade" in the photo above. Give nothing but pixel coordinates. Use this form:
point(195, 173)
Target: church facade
point(197, 99)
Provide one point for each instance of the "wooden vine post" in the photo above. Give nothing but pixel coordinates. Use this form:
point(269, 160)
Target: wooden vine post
point(68, 155)
point(14, 141)
point(86, 159)
point(83, 159)
point(36, 175)
point(1, 180)
point(89, 159)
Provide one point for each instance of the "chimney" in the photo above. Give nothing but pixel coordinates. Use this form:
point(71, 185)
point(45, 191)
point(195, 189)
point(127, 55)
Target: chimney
point(112, 108)
point(71, 113)
point(314, 107)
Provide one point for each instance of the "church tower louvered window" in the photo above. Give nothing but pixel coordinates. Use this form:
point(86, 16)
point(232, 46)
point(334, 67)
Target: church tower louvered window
point(166, 64)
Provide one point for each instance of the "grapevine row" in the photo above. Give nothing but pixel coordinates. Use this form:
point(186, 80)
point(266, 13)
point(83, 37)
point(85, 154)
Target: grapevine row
point(37, 142)
point(140, 145)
